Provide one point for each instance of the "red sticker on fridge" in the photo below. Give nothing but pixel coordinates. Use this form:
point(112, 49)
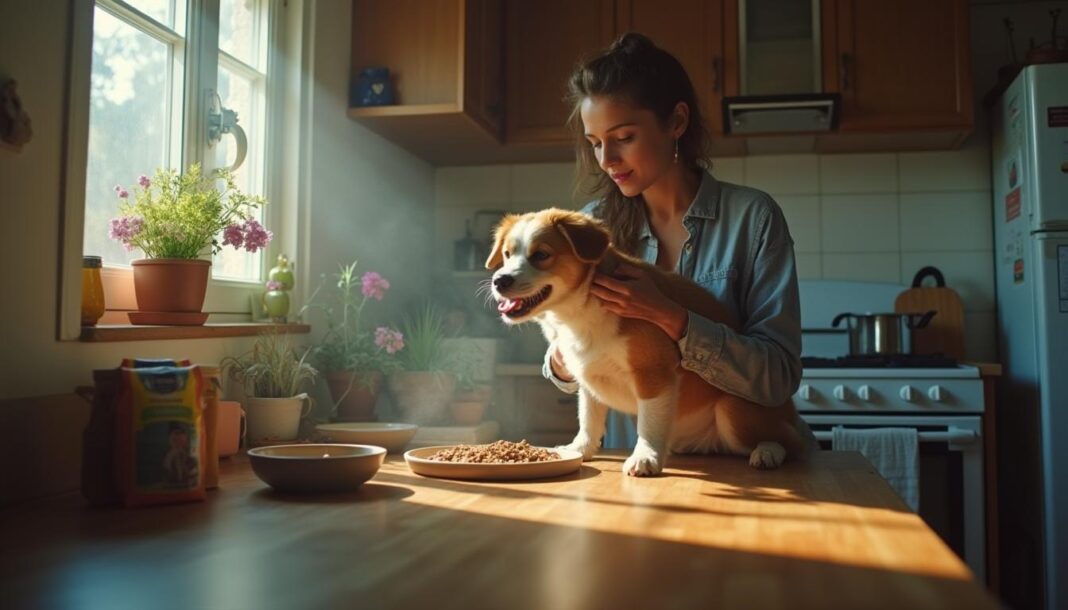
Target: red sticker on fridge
point(1012, 204)
point(1057, 116)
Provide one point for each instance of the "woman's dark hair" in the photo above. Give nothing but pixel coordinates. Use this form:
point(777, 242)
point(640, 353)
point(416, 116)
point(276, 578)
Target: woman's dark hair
point(635, 71)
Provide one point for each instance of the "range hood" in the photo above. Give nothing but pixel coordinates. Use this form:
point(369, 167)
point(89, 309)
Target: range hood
point(781, 114)
point(781, 81)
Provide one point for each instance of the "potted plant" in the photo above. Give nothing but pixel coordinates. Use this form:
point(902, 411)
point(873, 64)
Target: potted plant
point(352, 359)
point(425, 385)
point(472, 396)
point(175, 220)
point(273, 375)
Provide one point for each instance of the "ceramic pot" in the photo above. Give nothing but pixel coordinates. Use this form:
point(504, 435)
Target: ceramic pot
point(354, 394)
point(272, 420)
point(276, 304)
point(421, 396)
point(467, 412)
point(170, 284)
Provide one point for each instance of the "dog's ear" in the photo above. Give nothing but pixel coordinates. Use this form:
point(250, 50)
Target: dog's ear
point(588, 238)
point(496, 259)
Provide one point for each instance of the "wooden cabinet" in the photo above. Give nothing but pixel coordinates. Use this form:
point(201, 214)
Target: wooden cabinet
point(446, 61)
point(545, 40)
point(900, 67)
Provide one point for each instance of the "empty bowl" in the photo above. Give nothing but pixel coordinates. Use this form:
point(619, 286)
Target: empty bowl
point(316, 468)
point(394, 437)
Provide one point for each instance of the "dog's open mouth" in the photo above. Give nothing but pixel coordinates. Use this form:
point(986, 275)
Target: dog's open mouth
point(520, 307)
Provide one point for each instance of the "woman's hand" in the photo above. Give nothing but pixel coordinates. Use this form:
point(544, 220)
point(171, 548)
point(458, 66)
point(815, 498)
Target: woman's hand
point(633, 294)
point(556, 363)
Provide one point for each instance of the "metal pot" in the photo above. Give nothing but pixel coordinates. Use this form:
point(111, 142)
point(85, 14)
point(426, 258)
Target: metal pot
point(882, 333)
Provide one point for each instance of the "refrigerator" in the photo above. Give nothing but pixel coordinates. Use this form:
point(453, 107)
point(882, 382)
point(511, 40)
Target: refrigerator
point(1030, 189)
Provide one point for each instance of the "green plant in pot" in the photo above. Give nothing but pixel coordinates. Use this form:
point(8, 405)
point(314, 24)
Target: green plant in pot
point(472, 396)
point(425, 386)
point(354, 360)
point(274, 375)
point(177, 220)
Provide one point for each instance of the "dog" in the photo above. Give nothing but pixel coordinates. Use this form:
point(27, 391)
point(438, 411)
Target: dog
point(543, 266)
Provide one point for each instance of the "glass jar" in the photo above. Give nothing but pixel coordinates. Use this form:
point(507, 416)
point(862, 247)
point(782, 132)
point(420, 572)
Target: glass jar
point(92, 290)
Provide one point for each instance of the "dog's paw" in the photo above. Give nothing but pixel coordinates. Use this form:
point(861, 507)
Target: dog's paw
point(767, 455)
point(644, 462)
point(587, 449)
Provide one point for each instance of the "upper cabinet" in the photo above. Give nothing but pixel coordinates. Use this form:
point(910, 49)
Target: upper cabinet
point(545, 40)
point(485, 81)
point(901, 67)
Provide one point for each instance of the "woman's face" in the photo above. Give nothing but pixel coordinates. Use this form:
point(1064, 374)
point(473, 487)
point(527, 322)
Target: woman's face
point(629, 143)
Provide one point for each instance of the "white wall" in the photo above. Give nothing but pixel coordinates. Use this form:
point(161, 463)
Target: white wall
point(359, 190)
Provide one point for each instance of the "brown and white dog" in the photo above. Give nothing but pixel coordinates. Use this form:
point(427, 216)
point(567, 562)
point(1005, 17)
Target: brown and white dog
point(544, 263)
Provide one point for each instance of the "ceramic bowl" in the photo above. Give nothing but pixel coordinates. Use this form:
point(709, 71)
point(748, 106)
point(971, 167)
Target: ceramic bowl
point(316, 468)
point(394, 437)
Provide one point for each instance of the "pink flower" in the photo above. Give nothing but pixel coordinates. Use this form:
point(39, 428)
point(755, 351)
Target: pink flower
point(374, 285)
point(388, 339)
point(232, 236)
point(275, 285)
point(256, 237)
point(144, 181)
point(121, 192)
point(124, 229)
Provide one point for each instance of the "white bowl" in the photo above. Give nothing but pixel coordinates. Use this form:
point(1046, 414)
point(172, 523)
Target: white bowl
point(315, 468)
point(394, 437)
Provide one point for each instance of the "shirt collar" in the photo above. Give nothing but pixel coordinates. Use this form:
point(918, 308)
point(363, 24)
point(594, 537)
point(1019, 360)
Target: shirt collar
point(705, 204)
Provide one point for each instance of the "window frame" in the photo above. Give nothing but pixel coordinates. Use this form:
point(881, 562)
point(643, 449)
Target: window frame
point(233, 299)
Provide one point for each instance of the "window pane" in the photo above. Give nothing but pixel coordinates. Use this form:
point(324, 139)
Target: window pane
point(238, 31)
point(131, 100)
point(170, 13)
point(247, 99)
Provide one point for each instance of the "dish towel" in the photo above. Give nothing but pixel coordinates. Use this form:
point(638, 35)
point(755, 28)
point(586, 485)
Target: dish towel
point(893, 451)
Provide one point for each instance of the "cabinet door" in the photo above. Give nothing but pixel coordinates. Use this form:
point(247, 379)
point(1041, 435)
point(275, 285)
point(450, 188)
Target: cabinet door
point(484, 63)
point(697, 33)
point(545, 41)
point(900, 64)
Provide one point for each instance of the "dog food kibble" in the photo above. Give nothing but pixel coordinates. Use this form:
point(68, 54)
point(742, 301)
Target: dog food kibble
point(500, 452)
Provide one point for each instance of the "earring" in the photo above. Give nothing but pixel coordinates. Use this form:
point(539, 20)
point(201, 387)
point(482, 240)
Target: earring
point(676, 150)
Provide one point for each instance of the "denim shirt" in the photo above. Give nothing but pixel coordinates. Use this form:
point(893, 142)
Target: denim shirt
point(740, 250)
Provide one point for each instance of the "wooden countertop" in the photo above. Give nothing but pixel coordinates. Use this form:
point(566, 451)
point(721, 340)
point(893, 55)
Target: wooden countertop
point(710, 533)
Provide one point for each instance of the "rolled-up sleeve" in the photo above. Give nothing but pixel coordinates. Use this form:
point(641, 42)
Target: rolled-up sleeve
point(570, 387)
point(762, 362)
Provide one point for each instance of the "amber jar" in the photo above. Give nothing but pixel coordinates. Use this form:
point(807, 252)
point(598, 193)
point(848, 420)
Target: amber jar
point(92, 291)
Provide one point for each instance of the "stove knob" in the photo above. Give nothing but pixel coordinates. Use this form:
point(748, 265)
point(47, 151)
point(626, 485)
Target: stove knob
point(840, 392)
point(805, 392)
point(864, 392)
point(935, 393)
point(906, 393)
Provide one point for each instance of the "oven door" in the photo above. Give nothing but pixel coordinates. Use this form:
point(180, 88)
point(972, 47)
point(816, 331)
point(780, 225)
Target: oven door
point(951, 474)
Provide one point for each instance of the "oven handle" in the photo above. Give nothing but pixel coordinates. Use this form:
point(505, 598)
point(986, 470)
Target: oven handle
point(953, 435)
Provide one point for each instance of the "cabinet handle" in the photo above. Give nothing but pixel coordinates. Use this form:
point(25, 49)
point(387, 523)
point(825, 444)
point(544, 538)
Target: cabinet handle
point(716, 69)
point(846, 61)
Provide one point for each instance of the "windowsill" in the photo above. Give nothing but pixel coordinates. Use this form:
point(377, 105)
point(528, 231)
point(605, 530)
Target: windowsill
point(128, 332)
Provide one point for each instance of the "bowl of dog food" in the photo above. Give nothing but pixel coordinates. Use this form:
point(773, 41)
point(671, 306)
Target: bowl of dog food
point(498, 461)
point(316, 468)
point(394, 437)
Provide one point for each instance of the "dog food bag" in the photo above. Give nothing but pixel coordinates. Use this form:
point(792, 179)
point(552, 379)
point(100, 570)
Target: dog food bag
point(160, 441)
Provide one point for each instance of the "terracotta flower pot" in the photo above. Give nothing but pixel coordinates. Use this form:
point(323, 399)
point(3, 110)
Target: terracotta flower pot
point(170, 284)
point(467, 412)
point(359, 403)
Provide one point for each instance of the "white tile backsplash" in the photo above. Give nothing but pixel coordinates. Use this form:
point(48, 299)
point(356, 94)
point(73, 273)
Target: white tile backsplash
point(869, 173)
point(946, 221)
point(803, 219)
point(873, 217)
point(863, 266)
point(860, 223)
point(784, 175)
point(950, 170)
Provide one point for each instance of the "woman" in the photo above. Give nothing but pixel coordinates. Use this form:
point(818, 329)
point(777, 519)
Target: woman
point(641, 134)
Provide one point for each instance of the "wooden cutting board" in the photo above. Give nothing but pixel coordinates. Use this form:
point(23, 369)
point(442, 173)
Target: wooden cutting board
point(944, 334)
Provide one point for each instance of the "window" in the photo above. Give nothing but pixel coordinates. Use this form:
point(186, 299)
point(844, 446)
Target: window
point(159, 70)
